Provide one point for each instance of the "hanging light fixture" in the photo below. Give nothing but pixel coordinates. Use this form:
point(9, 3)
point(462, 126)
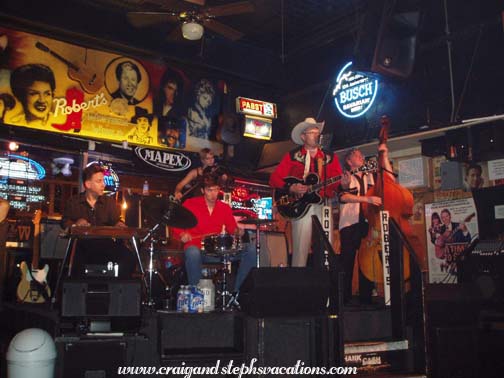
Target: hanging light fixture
point(192, 30)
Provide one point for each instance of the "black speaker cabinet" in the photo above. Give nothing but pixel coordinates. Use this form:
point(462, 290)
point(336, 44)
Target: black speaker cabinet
point(285, 291)
point(185, 334)
point(282, 341)
point(387, 39)
point(455, 354)
point(78, 358)
point(100, 297)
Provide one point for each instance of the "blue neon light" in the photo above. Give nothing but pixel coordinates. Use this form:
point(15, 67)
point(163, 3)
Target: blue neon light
point(41, 172)
point(361, 91)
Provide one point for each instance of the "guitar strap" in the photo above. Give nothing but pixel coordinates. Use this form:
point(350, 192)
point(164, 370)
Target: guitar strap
point(307, 165)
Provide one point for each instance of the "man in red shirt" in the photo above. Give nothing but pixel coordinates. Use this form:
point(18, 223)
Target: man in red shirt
point(308, 158)
point(214, 217)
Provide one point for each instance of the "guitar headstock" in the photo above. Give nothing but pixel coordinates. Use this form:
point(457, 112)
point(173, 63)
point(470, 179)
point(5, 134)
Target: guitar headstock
point(369, 166)
point(37, 216)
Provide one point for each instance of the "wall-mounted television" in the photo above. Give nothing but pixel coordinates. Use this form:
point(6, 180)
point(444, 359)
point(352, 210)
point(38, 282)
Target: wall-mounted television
point(263, 207)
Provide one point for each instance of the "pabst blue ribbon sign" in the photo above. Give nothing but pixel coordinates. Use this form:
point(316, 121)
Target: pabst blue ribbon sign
point(167, 160)
point(354, 93)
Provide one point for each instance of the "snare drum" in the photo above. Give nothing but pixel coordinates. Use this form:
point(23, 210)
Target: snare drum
point(216, 245)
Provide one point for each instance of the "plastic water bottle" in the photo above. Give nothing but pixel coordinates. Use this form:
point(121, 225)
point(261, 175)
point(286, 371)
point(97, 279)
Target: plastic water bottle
point(196, 301)
point(186, 298)
point(207, 287)
point(145, 189)
point(180, 298)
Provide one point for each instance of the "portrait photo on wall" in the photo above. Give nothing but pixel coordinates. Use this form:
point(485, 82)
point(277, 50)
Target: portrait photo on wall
point(203, 110)
point(127, 82)
point(450, 227)
point(475, 176)
point(170, 108)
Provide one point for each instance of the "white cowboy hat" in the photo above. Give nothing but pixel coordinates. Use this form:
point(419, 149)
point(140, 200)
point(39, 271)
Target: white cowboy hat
point(301, 127)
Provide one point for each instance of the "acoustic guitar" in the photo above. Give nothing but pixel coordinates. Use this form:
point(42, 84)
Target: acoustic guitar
point(89, 80)
point(33, 286)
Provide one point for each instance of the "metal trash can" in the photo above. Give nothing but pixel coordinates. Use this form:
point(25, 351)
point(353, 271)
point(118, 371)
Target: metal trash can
point(31, 353)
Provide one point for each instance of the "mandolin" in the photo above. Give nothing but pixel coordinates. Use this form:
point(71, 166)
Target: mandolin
point(33, 286)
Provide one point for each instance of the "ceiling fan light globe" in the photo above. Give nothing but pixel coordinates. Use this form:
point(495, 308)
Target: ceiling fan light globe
point(192, 31)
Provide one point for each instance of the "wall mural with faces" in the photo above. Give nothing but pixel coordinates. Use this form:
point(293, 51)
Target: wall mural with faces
point(55, 86)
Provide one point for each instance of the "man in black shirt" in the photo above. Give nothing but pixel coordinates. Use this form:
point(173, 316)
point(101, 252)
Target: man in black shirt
point(92, 208)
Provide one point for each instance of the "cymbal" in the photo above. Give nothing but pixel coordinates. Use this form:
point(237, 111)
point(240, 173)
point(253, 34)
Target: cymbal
point(257, 221)
point(176, 215)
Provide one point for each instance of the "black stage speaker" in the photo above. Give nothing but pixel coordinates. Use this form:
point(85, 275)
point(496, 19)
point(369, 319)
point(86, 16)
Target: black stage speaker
point(282, 341)
point(79, 358)
point(285, 291)
point(96, 298)
point(200, 334)
point(387, 39)
point(455, 354)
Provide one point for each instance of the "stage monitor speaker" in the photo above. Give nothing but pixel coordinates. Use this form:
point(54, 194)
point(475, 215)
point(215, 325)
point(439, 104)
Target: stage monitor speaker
point(283, 341)
point(101, 298)
point(285, 291)
point(455, 352)
point(391, 50)
point(201, 334)
point(90, 358)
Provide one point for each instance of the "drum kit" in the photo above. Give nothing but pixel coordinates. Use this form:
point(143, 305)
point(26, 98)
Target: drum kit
point(223, 246)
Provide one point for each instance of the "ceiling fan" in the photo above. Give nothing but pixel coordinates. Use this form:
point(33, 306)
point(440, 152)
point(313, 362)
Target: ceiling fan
point(193, 17)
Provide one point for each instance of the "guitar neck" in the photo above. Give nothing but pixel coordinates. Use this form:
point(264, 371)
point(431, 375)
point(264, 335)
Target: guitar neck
point(44, 48)
point(332, 180)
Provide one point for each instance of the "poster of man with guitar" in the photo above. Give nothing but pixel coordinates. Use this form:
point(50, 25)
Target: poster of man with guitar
point(298, 193)
point(448, 239)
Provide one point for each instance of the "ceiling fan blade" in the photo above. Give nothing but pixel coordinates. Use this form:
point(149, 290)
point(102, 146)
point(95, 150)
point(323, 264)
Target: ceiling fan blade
point(144, 19)
point(225, 30)
point(197, 2)
point(175, 4)
point(229, 9)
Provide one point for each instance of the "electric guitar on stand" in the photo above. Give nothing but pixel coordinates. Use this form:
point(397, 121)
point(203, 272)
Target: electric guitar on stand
point(33, 286)
point(292, 207)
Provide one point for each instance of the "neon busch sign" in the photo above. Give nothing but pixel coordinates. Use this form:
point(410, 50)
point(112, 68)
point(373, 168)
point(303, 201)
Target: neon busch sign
point(354, 93)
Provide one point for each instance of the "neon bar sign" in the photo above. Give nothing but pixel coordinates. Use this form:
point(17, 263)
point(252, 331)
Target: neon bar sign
point(256, 107)
point(354, 93)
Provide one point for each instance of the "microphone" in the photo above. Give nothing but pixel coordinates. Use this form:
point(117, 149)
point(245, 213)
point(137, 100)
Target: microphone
point(321, 138)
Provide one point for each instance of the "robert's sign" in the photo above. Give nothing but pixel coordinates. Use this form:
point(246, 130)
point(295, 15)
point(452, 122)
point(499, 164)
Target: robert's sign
point(172, 161)
point(354, 93)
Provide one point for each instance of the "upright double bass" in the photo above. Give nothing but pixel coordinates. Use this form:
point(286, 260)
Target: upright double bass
point(397, 200)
